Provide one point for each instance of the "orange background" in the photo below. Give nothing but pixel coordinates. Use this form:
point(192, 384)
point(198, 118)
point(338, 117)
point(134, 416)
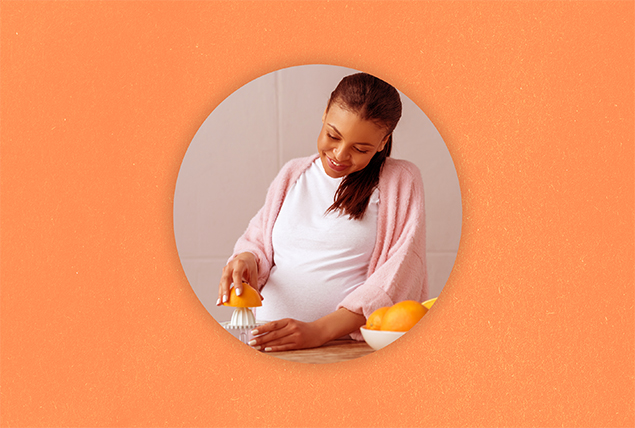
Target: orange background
point(100, 100)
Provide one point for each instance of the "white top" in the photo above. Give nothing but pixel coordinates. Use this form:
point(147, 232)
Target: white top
point(318, 258)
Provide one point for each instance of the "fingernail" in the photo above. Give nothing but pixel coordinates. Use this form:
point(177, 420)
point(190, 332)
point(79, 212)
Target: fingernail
point(267, 349)
point(257, 348)
point(218, 302)
point(225, 298)
point(252, 342)
point(238, 291)
point(254, 332)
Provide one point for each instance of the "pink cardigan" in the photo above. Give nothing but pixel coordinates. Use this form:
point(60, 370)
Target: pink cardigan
point(397, 269)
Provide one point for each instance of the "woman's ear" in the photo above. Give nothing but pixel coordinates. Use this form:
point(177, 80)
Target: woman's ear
point(384, 142)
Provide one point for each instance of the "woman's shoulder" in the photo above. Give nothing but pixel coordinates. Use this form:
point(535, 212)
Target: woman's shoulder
point(401, 180)
point(299, 163)
point(293, 168)
point(400, 169)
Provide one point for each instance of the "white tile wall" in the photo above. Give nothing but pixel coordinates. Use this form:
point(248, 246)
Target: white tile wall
point(241, 146)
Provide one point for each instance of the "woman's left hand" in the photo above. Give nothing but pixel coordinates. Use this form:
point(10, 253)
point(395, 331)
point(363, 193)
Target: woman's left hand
point(287, 334)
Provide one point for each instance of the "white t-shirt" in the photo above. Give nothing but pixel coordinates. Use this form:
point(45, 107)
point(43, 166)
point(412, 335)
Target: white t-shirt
point(318, 258)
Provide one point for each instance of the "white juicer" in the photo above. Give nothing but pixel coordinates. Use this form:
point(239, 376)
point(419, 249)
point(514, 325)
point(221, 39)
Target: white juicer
point(243, 320)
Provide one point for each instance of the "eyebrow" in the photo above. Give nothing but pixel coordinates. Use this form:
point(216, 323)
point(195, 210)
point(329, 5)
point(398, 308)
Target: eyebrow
point(340, 134)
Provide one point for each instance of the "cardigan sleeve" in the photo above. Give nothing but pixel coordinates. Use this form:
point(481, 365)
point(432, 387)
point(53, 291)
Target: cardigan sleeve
point(254, 241)
point(397, 269)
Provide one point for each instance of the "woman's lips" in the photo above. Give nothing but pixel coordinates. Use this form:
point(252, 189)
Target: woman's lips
point(336, 166)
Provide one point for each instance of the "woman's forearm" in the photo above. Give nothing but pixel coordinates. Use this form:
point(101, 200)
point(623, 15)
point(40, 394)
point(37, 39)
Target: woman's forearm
point(338, 324)
point(287, 334)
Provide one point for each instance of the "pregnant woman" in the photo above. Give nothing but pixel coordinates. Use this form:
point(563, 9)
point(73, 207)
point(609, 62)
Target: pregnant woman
point(341, 233)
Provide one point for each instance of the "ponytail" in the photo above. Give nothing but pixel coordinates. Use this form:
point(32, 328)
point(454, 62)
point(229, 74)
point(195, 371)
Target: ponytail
point(375, 100)
point(355, 190)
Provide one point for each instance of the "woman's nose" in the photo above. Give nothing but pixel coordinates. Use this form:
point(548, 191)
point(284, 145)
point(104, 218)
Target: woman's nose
point(341, 153)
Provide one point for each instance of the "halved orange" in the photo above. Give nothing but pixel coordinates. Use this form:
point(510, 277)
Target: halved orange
point(249, 298)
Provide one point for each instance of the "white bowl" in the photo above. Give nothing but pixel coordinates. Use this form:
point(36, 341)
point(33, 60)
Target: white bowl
point(377, 339)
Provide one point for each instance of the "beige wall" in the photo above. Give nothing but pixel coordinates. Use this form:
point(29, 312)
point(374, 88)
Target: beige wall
point(241, 146)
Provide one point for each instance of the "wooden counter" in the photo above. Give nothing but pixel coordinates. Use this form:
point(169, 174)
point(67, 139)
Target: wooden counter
point(330, 352)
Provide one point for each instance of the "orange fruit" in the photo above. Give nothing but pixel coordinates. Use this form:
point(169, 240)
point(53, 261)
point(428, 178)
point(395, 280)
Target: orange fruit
point(249, 298)
point(403, 316)
point(428, 303)
point(374, 320)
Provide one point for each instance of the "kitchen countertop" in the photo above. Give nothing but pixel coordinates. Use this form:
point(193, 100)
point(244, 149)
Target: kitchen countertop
point(331, 352)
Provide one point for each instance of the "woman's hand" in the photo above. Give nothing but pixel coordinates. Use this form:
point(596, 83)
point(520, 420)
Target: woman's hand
point(241, 268)
point(287, 334)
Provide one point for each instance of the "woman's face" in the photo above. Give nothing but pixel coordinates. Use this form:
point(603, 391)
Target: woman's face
point(346, 142)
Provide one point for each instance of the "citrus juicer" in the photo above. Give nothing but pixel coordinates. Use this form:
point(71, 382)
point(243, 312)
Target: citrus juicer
point(243, 320)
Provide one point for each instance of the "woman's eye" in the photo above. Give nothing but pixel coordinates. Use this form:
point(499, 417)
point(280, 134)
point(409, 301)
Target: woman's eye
point(332, 137)
point(361, 150)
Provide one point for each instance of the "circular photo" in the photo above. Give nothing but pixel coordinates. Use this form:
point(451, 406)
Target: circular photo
point(317, 214)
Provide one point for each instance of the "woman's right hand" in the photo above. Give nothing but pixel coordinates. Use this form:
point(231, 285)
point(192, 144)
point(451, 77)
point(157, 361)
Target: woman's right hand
point(241, 268)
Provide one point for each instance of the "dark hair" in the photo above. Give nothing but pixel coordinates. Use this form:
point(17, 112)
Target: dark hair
point(375, 100)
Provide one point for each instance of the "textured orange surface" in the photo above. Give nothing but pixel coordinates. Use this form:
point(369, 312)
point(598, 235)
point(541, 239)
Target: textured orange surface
point(99, 326)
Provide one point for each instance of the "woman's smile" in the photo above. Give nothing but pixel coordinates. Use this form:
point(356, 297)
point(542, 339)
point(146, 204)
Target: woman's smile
point(338, 167)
